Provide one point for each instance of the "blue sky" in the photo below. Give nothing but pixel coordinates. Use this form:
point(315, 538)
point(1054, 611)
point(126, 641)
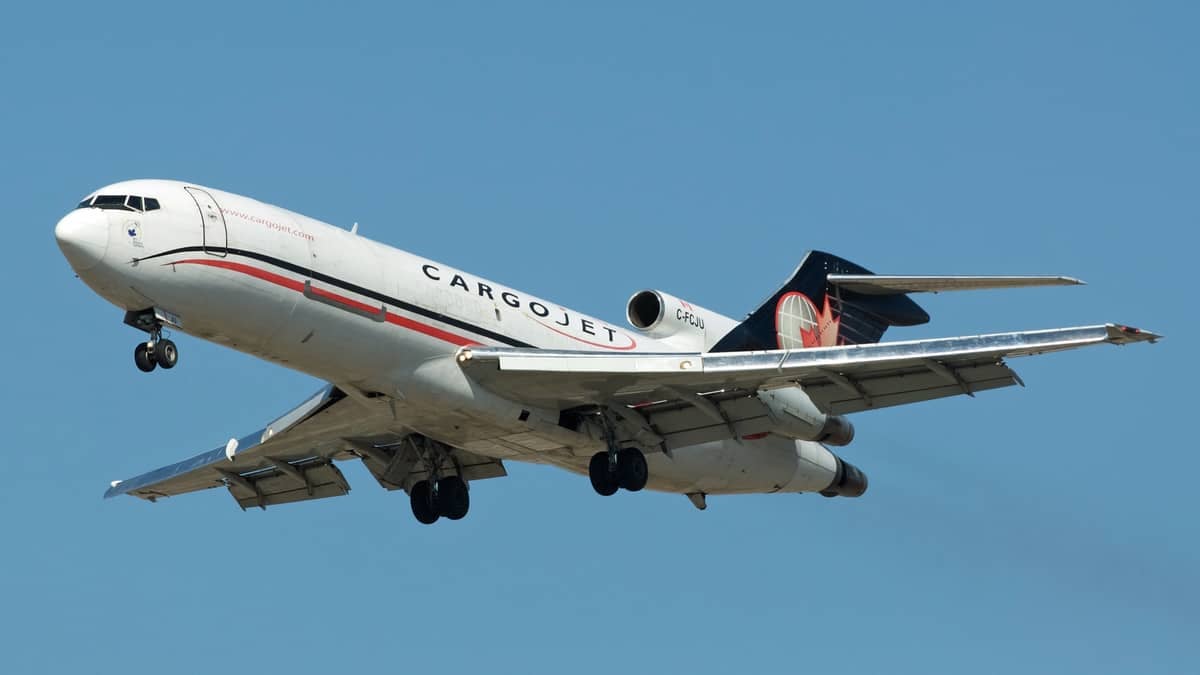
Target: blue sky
point(583, 154)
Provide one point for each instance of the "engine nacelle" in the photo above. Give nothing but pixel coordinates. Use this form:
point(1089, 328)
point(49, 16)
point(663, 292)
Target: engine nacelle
point(849, 481)
point(768, 464)
point(794, 415)
point(665, 317)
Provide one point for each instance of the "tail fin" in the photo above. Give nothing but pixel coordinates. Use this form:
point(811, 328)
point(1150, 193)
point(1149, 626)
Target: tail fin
point(808, 311)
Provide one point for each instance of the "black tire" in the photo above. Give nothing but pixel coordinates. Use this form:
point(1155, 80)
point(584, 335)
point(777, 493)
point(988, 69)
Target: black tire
point(604, 481)
point(166, 354)
point(632, 472)
point(453, 499)
point(143, 356)
point(424, 505)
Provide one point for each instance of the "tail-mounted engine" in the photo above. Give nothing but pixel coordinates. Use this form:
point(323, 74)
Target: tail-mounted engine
point(849, 481)
point(665, 317)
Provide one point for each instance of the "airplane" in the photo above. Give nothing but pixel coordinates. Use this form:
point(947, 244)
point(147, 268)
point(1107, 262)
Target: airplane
point(436, 377)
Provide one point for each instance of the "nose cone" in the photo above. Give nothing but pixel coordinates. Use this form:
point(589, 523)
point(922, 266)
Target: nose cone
point(83, 237)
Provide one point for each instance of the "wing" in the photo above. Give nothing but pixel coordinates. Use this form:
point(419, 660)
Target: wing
point(292, 458)
point(687, 398)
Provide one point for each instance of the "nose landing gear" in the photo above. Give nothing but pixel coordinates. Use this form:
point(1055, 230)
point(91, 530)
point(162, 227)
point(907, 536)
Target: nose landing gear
point(157, 351)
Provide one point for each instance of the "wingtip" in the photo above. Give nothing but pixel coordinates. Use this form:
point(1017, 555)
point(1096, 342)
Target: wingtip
point(1121, 334)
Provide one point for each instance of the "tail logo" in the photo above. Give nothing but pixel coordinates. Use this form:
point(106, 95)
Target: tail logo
point(798, 324)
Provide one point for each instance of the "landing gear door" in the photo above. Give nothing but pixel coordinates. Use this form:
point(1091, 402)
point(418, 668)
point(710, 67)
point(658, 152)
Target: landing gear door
point(214, 233)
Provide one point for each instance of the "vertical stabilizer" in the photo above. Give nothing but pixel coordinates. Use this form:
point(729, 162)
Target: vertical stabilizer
point(808, 311)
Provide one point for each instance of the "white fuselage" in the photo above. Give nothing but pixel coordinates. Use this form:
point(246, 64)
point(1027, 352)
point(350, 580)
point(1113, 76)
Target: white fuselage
point(327, 302)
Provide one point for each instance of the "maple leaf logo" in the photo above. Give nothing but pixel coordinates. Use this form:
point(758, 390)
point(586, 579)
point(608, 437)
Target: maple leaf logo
point(799, 325)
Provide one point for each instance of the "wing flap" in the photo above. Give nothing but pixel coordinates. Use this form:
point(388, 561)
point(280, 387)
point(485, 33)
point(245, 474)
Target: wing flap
point(909, 386)
point(300, 481)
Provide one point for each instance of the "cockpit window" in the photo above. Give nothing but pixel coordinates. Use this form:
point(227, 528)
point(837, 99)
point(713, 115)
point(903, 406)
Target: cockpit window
point(110, 202)
point(120, 203)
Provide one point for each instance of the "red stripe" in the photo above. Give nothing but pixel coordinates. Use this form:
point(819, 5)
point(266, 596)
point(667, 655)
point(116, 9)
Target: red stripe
point(298, 286)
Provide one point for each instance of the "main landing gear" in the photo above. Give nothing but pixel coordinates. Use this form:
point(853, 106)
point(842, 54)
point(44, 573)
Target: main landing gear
point(444, 494)
point(624, 468)
point(447, 497)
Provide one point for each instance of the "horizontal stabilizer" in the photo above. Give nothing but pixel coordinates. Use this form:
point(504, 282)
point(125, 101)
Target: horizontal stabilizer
point(881, 284)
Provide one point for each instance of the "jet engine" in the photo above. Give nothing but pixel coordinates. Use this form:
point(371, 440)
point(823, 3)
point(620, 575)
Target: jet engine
point(849, 481)
point(793, 414)
point(665, 317)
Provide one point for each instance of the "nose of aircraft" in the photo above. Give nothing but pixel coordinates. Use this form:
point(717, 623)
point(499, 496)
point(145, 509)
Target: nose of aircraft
point(83, 237)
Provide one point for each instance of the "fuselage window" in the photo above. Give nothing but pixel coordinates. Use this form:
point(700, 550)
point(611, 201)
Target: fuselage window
point(151, 204)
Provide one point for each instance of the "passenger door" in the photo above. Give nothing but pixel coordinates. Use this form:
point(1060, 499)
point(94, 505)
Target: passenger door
point(214, 232)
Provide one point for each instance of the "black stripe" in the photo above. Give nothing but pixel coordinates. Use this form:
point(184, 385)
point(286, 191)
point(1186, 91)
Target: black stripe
point(347, 286)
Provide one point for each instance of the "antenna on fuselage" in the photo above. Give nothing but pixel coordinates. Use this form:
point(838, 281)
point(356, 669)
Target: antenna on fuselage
point(354, 228)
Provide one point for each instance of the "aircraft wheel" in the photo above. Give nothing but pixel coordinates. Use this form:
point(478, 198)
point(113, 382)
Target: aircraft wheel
point(424, 504)
point(604, 481)
point(453, 499)
point(143, 356)
point(632, 472)
point(166, 354)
